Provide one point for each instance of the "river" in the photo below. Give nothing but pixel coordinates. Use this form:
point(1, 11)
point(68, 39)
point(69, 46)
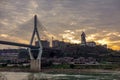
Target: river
point(56, 76)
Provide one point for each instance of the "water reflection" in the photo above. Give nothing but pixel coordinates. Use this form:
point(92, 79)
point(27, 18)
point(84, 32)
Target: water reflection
point(55, 76)
point(2, 77)
point(87, 76)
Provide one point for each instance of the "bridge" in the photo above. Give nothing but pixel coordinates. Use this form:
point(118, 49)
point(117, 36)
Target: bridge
point(17, 44)
point(35, 64)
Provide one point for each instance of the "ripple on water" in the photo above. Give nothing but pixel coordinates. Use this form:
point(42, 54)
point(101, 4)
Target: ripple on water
point(45, 76)
point(60, 76)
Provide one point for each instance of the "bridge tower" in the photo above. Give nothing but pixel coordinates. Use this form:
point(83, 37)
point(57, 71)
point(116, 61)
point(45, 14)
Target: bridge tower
point(35, 53)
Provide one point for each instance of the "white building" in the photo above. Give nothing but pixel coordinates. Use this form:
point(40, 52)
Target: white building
point(91, 44)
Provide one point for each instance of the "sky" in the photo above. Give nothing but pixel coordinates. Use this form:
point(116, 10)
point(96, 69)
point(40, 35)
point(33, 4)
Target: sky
point(62, 19)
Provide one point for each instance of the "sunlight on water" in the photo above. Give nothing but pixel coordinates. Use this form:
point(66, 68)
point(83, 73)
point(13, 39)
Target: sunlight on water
point(53, 76)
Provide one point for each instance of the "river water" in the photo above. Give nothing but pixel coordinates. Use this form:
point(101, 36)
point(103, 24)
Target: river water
point(55, 76)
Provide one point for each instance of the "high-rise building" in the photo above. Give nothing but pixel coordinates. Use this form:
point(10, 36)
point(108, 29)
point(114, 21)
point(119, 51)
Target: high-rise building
point(45, 43)
point(83, 39)
point(58, 44)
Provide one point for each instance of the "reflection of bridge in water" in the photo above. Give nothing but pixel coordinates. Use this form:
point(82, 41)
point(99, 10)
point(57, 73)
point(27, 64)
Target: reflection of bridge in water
point(3, 77)
point(33, 49)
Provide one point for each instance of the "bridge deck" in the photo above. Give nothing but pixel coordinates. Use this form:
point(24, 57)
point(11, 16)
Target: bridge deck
point(17, 44)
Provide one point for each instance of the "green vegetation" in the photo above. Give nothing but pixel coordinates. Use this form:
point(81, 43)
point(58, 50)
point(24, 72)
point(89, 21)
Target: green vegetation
point(61, 66)
point(100, 53)
point(106, 58)
point(82, 66)
point(97, 66)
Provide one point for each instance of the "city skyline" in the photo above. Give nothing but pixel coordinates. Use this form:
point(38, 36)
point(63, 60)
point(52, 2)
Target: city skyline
point(62, 19)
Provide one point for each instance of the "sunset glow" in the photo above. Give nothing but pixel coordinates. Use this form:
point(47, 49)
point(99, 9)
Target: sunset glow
point(62, 19)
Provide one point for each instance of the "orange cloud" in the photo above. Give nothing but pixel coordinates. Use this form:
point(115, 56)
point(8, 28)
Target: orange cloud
point(7, 37)
point(112, 39)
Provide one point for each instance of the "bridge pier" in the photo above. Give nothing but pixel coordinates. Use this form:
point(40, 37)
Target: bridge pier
point(35, 65)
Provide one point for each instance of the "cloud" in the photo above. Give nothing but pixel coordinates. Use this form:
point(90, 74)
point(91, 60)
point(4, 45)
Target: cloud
point(16, 39)
point(62, 18)
point(4, 35)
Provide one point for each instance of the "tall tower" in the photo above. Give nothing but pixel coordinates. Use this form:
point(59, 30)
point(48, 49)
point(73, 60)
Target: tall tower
point(83, 39)
point(35, 53)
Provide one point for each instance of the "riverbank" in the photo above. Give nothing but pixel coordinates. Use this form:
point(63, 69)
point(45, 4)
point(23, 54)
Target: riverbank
point(75, 71)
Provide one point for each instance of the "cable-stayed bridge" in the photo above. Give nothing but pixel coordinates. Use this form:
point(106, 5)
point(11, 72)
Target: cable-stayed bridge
point(32, 49)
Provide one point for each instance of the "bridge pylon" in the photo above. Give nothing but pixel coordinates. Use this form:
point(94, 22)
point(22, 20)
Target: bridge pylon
point(35, 53)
